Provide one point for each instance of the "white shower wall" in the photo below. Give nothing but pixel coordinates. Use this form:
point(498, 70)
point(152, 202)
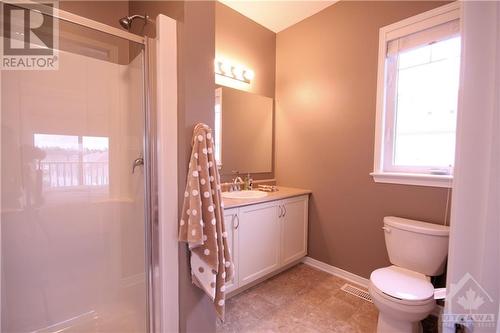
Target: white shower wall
point(73, 255)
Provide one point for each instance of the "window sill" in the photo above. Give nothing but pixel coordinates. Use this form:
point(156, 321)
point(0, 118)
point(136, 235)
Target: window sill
point(413, 179)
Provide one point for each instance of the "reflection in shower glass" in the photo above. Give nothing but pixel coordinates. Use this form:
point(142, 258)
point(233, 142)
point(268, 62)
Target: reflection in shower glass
point(70, 160)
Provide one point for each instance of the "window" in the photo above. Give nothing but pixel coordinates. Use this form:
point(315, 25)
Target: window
point(73, 161)
point(417, 97)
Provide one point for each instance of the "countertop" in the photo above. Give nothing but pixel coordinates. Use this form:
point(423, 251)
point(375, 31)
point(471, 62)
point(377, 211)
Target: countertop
point(282, 193)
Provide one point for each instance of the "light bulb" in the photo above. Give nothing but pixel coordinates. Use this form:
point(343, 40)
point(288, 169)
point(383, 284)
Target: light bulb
point(225, 68)
point(217, 64)
point(248, 74)
point(238, 73)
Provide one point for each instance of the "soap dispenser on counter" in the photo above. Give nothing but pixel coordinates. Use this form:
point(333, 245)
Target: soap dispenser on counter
point(248, 182)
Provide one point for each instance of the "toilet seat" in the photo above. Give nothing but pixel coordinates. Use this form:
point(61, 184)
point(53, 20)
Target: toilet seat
point(397, 301)
point(402, 285)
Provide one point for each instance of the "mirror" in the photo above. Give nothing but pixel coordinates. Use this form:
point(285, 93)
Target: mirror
point(243, 131)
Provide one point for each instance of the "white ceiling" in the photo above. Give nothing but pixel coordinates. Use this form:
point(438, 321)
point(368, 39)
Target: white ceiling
point(277, 15)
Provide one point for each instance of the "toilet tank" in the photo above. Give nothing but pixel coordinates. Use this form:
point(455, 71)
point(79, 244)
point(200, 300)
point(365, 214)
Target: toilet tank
point(419, 246)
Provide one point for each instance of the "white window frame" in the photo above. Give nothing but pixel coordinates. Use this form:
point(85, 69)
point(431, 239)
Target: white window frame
point(429, 19)
point(218, 125)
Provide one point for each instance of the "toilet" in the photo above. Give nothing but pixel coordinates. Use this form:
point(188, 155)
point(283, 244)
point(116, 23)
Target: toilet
point(403, 292)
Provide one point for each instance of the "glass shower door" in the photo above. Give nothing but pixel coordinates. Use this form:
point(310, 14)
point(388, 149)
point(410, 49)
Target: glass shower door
point(72, 209)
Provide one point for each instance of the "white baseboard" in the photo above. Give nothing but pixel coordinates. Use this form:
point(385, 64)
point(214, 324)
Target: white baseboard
point(351, 277)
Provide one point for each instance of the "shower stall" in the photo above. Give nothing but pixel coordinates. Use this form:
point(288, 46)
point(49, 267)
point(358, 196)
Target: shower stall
point(76, 182)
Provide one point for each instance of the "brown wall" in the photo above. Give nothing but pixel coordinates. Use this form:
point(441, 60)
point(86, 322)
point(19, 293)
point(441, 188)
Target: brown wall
point(246, 42)
point(325, 120)
point(108, 12)
point(196, 95)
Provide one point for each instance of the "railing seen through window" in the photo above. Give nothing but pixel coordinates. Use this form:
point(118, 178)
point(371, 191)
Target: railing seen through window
point(72, 161)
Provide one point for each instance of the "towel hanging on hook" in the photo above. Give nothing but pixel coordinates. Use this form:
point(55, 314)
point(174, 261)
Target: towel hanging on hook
point(202, 221)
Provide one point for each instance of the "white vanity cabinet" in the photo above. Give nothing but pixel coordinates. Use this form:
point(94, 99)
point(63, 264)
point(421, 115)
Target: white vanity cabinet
point(293, 215)
point(265, 237)
point(232, 224)
point(259, 241)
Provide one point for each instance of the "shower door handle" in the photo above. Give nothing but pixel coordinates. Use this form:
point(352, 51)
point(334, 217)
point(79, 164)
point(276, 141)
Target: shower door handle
point(137, 162)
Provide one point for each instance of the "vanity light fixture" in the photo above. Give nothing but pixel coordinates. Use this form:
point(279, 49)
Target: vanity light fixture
point(233, 71)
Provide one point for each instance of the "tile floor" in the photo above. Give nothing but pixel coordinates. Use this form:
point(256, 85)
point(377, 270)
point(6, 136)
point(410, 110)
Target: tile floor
point(301, 299)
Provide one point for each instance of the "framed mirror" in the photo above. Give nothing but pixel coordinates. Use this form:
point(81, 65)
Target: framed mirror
point(243, 131)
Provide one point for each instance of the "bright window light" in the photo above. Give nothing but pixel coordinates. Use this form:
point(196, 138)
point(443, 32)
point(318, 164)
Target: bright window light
point(426, 106)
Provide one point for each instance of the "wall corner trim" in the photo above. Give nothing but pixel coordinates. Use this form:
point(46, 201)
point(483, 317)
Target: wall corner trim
point(166, 104)
point(339, 272)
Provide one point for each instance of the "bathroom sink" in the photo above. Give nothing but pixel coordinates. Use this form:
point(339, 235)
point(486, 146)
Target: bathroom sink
point(244, 194)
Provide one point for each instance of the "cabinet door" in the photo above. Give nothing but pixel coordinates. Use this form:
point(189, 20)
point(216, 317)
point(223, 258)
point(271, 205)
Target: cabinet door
point(259, 241)
point(294, 229)
point(231, 223)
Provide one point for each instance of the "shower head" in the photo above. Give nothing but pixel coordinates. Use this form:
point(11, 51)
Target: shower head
point(126, 22)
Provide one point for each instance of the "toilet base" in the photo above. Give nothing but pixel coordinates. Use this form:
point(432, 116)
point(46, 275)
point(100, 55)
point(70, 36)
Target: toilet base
point(388, 324)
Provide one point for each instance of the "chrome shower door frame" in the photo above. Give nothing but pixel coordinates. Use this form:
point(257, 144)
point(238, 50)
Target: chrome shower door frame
point(151, 193)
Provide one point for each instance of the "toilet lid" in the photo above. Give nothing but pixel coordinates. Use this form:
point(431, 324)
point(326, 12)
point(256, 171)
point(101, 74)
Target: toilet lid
point(402, 283)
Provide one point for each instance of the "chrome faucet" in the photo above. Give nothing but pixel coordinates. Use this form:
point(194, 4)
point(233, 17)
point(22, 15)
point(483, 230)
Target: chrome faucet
point(236, 182)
